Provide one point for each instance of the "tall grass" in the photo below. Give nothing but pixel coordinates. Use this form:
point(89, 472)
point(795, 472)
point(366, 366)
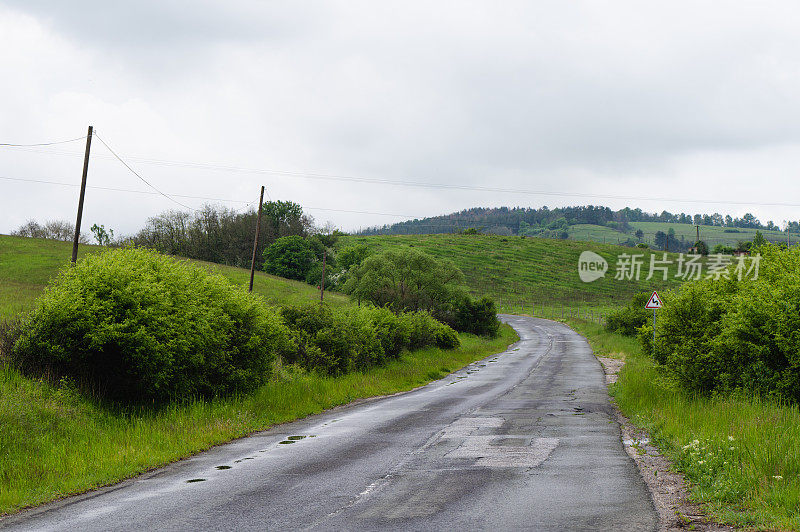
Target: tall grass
point(55, 442)
point(740, 454)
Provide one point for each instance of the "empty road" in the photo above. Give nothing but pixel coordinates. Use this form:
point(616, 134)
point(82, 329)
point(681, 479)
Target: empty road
point(522, 440)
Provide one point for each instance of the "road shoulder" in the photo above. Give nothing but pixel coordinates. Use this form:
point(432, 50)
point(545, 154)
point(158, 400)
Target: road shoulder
point(667, 487)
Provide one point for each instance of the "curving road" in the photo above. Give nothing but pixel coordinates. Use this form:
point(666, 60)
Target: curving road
point(521, 440)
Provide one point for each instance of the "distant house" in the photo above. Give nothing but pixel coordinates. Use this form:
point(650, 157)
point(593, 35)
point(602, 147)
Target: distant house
point(741, 253)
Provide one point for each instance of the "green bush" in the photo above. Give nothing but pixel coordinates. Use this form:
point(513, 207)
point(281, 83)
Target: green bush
point(394, 331)
point(427, 331)
point(136, 326)
point(477, 317)
point(719, 337)
point(290, 257)
point(628, 319)
point(336, 341)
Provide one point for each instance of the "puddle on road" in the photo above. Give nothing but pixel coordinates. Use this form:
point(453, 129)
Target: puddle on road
point(223, 467)
point(287, 442)
point(191, 480)
point(295, 438)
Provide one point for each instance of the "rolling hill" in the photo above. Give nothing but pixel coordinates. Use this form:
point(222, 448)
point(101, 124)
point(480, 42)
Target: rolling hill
point(528, 270)
point(27, 264)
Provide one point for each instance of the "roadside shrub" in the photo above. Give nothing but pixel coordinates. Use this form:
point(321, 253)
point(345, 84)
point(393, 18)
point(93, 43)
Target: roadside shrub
point(427, 331)
point(628, 319)
point(136, 326)
point(407, 279)
point(477, 317)
point(394, 331)
point(336, 341)
point(729, 335)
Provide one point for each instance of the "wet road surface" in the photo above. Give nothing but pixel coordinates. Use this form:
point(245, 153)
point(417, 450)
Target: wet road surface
point(521, 440)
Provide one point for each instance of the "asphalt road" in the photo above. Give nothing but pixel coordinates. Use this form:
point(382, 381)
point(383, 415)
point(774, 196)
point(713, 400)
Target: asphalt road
point(521, 440)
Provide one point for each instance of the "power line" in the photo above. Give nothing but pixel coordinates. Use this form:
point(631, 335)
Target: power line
point(448, 186)
point(112, 189)
point(10, 145)
point(442, 224)
point(158, 193)
point(134, 172)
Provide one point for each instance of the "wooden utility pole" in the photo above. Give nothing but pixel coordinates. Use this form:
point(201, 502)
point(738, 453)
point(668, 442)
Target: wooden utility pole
point(83, 193)
point(698, 232)
point(322, 283)
point(255, 242)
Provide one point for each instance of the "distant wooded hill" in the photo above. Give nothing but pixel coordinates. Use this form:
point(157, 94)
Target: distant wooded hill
point(596, 223)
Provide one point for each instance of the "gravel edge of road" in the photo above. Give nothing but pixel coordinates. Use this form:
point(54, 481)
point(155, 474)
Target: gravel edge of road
point(667, 487)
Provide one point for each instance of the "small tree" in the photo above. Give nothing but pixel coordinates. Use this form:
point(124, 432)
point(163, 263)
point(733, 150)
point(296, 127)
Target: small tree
point(701, 248)
point(352, 255)
point(101, 235)
point(290, 257)
point(406, 279)
point(759, 240)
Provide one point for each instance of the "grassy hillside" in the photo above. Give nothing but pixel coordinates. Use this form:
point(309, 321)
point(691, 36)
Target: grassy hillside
point(27, 264)
point(711, 235)
point(727, 236)
point(535, 270)
point(596, 233)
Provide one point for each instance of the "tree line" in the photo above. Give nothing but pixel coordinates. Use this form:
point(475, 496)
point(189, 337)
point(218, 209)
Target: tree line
point(552, 223)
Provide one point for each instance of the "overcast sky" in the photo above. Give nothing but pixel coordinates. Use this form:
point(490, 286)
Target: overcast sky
point(677, 101)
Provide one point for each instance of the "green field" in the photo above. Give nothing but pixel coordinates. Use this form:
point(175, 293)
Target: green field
point(516, 270)
point(711, 235)
point(596, 233)
point(27, 264)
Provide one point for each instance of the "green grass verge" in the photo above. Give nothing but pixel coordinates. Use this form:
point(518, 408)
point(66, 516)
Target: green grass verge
point(741, 455)
point(55, 443)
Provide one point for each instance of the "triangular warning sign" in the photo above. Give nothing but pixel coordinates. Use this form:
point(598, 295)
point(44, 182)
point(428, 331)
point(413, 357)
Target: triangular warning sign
point(654, 302)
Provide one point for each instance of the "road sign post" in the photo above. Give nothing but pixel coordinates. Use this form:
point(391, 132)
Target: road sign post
point(654, 303)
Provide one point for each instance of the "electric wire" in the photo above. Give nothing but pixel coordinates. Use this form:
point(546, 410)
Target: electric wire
point(11, 145)
point(113, 189)
point(450, 186)
point(145, 181)
point(247, 203)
